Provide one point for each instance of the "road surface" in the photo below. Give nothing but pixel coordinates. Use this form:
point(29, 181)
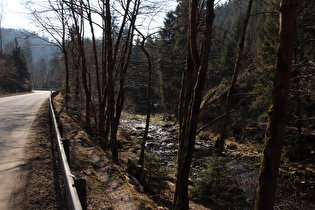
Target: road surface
point(17, 114)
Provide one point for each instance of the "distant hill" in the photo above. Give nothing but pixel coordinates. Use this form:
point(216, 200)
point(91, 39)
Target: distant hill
point(35, 47)
point(40, 62)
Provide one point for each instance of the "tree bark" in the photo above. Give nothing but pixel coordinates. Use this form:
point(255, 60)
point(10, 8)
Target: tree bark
point(65, 52)
point(80, 43)
point(111, 89)
point(66, 57)
point(103, 116)
point(124, 62)
point(190, 103)
point(122, 66)
point(277, 112)
point(148, 103)
point(97, 72)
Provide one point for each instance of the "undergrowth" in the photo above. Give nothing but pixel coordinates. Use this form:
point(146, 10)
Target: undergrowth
point(156, 174)
point(216, 183)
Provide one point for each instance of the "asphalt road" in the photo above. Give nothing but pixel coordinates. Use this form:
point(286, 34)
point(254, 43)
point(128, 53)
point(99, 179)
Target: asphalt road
point(17, 114)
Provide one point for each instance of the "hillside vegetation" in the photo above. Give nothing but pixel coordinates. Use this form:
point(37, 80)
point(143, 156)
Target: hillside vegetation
point(211, 74)
point(40, 57)
point(14, 72)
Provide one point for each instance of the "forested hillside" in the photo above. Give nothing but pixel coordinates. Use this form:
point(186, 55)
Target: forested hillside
point(14, 72)
point(41, 58)
point(252, 94)
point(212, 71)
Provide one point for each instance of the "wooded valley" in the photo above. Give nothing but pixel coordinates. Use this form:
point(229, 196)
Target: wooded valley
point(237, 73)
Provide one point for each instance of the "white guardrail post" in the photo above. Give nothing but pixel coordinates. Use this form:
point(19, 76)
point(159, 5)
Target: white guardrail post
point(71, 192)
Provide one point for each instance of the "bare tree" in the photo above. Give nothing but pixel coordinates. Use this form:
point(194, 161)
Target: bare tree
point(109, 71)
point(190, 98)
point(56, 25)
point(78, 25)
point(148, 100)
point(112, 61)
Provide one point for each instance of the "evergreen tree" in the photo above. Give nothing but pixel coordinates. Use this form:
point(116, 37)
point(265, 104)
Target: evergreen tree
point(265, 59)
point(303, 54)
point(169, 68)
point(20, 61)
point(136, 80)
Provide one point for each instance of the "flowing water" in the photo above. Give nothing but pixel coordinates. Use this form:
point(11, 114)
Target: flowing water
point(163, 140)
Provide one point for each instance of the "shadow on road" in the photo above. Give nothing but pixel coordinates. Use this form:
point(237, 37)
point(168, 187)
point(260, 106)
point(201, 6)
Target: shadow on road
point(40, 184)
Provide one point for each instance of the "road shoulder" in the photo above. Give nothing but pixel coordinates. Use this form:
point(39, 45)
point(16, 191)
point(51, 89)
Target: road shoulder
point(40, 184)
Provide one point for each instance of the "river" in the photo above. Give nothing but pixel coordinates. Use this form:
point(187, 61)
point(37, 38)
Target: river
point(163, 140)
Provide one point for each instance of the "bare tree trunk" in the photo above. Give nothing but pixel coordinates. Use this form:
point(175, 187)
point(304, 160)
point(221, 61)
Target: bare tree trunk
point(103, 119)
point(66, 57)
point(97, 72)
point(277, 112)
point(75, 56)
point(107, 118)
point(111, 89)
point(79, 27)
point(114, 114)
point(84, 72)
point(190, 107)
point(87, 91)
point(64, 50)
point(148, 103)
point(221, 140)
point(124, 63)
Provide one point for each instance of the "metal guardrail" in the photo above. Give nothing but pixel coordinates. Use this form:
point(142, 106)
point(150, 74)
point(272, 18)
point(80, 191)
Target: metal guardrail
point(69, 181)
point(48, 89)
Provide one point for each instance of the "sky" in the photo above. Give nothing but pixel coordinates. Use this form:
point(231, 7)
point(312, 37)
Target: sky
point(14, 15)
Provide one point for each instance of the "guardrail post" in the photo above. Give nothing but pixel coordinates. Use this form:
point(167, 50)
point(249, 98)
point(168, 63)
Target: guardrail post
point(80, 185)
point(66, 146)
point(60, 127)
